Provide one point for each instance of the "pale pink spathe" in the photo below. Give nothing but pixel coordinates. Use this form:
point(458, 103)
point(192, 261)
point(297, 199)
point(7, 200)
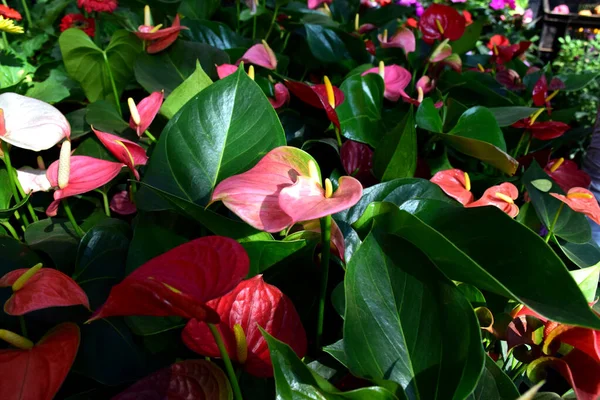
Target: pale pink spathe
point(403, 39)
point(260, 55)
point(396, 79)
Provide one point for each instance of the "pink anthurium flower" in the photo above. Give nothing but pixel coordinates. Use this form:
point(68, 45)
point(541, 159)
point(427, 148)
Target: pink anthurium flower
point(260, 54)
point(86, 174)
point(403, 39)
point(121, 203)
point(582, 201)
point(282, 189)
point(395, 79)
point(443, 54)
point(180, 282)
point(456, 184)
point(282, 96)
point(426, 84)
point(253, 304)
point(31, 124)
point(126, 151)
point(143, 114)
point(324, 96)
point(313, 4)
point(160, 39)
point(33, 180)
point(501, 196)
point(224, 70)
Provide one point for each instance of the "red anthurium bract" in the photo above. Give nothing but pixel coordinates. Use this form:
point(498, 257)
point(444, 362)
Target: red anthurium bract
point(357, 160)
point(87, 174)
point(162, 38)
point(567, 174)
point(38, 373)
point(395, 78)
point(546, 130)
point(282, 96)
point(403, 39)
point(180, 281)
point(252, 304)
point(510, 79)
point(539, 93)
point(501, 196)
point(46, 288)
point(147, 110)
point(503, 51)
point(316, 96)
point(582, 201)
point(456, 184)
point(126, 151)
point(121, 203)
point(440, 22)
point(260, 54)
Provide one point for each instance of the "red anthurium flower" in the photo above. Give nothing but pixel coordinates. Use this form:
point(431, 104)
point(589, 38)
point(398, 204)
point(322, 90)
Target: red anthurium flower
point(324, 96)
point(10, 13)
point(160, 39)
point(395, 78)
point(567, 174)
point(412, 23)
point(144, 113)
point(282, 189)
point(366, 28)
point(86, 174)
point(510, 79)
point(37, 371)
point(582, 201)
point(313, 4)
point(357, 160)
point(426, 84)
point(498, 40)
point(126, 151)
point(370, 47)
point(403, 39)
point(540, 91)
point(36, 289)
point(260, 54)
point(501, 196)
point(189, 379)
point(468, 17)
point(180, 281)
point(121, 203)
point(224, 70)
point(252, 304)
point(441, 22)
point(282, 96)
point(79, 21)
point(503, 54)
point(456, 184)
point(98, 5)
point(546, 130)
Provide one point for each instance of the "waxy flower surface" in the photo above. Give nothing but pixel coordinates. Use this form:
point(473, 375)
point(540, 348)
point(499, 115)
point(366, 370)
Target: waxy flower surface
point(546, 130)
point(403, 39)
point(324, 96)
point(121, 203)
point(567, 174)
point(582, 201)
point(143, 113)
point(502, 196)
point(456, 184)
point(440, 22)
point(261, 55)
point(126, 151)
point(395, 79)
point(159, 39)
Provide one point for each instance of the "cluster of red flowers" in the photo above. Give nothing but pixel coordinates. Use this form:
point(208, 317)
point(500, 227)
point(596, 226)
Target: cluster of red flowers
point(79, 21)
point(97, 5)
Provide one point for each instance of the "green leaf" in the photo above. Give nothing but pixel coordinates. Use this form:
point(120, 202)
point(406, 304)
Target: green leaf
point(506, 116)
point(215, 34)
point(87, 64)
point(6, 193)
point(54, 89)
point(55, 237)
point(7, 212)
point(360, 113)
point(469, 39)
point(483, 151)
point(222, 131)
point(406, 322)
point(295, 381)
point(543, 185)
point(494, 384)
point(198, 9)
point(428, 117)
point(16, 255)
point(396, 155)
point(193, 85)
point(587, 280)
point(266, 253)
point(583, 255)
point(380, 16)
point(103, 115)
point(479, 123)
point(577, 81)
point(325, 44)
point(570, 226)
point(79, 126)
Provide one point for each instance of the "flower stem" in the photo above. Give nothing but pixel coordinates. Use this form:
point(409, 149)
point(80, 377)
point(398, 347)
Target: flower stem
point(237, 393)
point(112, 82)
point(338, 137)
point(69, 213)
point(237, 11)
point(10, 228)
point(551, 229)
point(150, 136)
point(325, 253)
point(528, 145)
point(23, 195)
point(27, 14)
point(11, 181)
point(272, 22)
point(516, 152)
point(105, 202)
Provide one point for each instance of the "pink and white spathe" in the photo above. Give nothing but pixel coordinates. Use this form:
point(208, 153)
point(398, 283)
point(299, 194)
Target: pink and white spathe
point(395, 78)
point(261, 55)
point(31, 124)
point(33, 180)
point(144, 113)
point(224, 70)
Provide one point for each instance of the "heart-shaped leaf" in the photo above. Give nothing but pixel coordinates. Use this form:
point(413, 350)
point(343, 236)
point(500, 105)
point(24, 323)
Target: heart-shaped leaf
point(193, 85)
point(480, 124)
point(396, 156)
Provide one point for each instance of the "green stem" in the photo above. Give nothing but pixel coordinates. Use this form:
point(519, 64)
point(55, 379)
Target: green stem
point(105, 202)
point(27, 13)
point(5, 40)
point(237, 11)
point(98, 29)
point(237, 393)
point(23, 326)
point(551, 228)
point(528, 145)
point(516, 152)
point(11, 181)
point(10, 228)
point(112, 82)
point(69, 213)
point(325, 253)
point(338, 137)
point(150, 136)
point(23, 195)
point(272, 22)
point(285, 41)
point(518, 371)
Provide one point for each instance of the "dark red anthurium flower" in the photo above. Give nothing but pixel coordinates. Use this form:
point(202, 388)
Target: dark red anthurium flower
point(144, 113)
point(546, 130)
point(126, 151)
point(456, 184)
point(510, 79)
point(498, 40)
point(121, 203)
point(37, 371)
point(10, 13)
point(567, 174)
point(440, 22)
point(282, 96)
point(252, 304)
point(189, 379)
point(539, 93)
point(159, 38)
point(357, 160)
point(370, 47)
point(180, 281)
point(503, 51)
point(502, 196)
point(582, 201)
point(324, 96)
point(37, 288)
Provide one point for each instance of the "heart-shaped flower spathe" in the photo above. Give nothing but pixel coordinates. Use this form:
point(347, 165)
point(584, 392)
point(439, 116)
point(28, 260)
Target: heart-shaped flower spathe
point(126, 151)
point(456, 184)
point(582, 201)
point(441, 22)
point(324, 96)
point(403, 39)
point(501, 196)
point(261, 55)
point(180, 281)
point(395, 79)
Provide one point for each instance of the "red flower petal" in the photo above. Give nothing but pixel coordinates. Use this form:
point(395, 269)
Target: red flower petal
point(357, 159)
point(586, 340)
point(540, 89)
point(522, 331)
point(282, 96)
point(180, 281)
point(126, 151)
point(316, 96)
point(568, 175)
point(161, 33)
point(252, 304)
point(261, 55)
point(582, 201)
point(437, 15)
point(548, 130)
point(39, 372)
point(10, 13)
point(453, 183)
point(147, 108)
point(497, 196)
point(498, 40)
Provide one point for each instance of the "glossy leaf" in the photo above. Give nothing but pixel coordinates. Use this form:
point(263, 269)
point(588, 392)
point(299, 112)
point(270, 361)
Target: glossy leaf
point(215, 34)
point(506, 116)
point(396, 155)
point(479, 123)
point(56, 237)
point(469, 38)
point(428, 117)
point(494, 384)
point(483, 151)
point(577, 81)
point(104, 116)
point(582, 254)
point(325, 44)
point(193, 85)
point(266, 253)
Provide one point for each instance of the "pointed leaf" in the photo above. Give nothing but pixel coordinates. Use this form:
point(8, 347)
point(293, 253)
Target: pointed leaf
point(193, 85)
point(396, 156)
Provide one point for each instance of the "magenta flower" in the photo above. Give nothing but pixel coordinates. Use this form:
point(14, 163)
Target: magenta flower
point(282, 96)
point(126, 151)
point(121, 203)
point(395, 78)
point(403, 39)
point(426, 84)
point(143, 114)
point(500, 4)
point(224, 70)
point(159, 39)
point(312, 4)
point(260, 54)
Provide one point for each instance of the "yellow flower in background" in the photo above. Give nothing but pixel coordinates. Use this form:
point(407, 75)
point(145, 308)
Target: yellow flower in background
point(8, 25)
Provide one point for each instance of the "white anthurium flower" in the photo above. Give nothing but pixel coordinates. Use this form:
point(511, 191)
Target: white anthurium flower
point(31, 124)
point(33, 180)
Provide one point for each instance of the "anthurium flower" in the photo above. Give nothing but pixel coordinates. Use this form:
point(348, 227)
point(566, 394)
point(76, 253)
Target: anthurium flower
point(440, 22)
point(510, 79)
point(188, 379)
point(37, 288)
point(426, 84)
point(126, 151)
point(456, 184)
point(370, 47)
point(546, 130)
point(540, 90)
point(395, 79)
point(501, 196)
point(37, 371)
point(282, 96)
point(31, 124)
point(313, 4)
point(121, 203)
point(33, 180)
point(443, 54)
point(403, 39)
point(260, 54)
point(224, 70)
point(504, 53)
point(567, 174)
point(159, 38)
point(282, 189)
point(143, 114)
point(357, 160)
point(338, 244)
point(323, 96)
point(180, 282)
point(582, 201)
point(86, 174)
point(498, 40)
point(252, 304)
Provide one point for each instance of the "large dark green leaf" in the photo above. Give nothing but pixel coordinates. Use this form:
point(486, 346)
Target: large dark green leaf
point(406, 322)
point(199, 9)
point(494, 384)
point(325, 44)
point(15, 255)
point(577, 81)
point(88, 64)
point(479, 123)
point(396, 155)
point(380, 16)
point(57, 238)
point(483, 151)
point(295, 381)
point(222, 131)
point(428, 117)
point(570, 226)
point(215, 34)
point(506, 116)
point(265, 253)
point(468, 40)
point(103, 116)
point(360, 113)
point(583, 255)
point(193, 85)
